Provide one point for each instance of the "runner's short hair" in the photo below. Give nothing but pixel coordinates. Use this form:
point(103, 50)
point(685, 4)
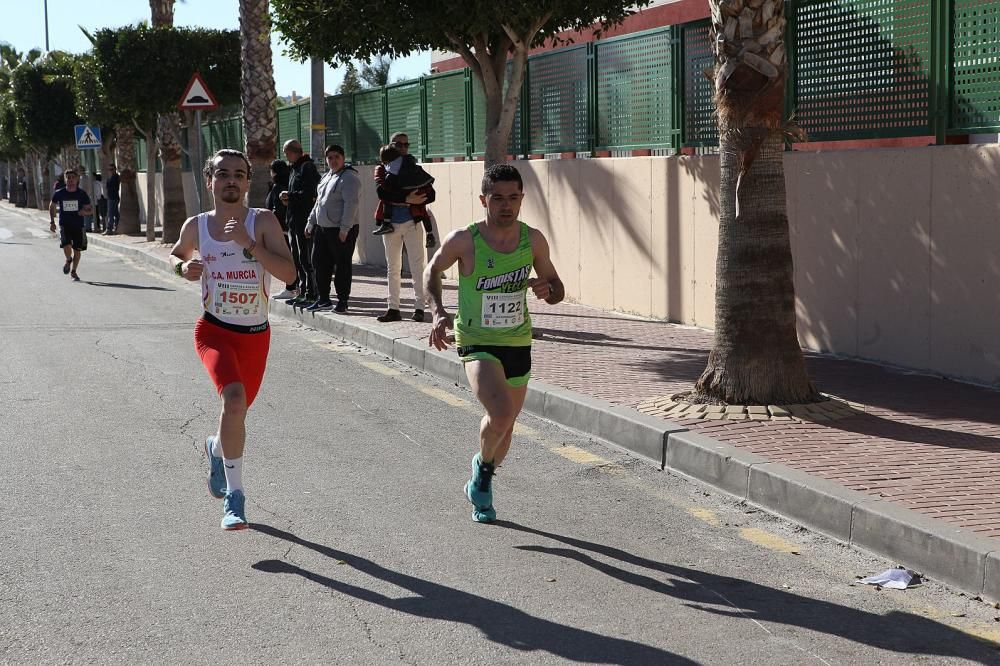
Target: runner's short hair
point(501, 172)
point(67, 172)
point(335, 148)
point(226, 152)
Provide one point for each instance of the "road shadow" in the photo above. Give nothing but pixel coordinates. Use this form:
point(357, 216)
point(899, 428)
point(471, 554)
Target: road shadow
point(497, 621)
point(122, 285)
point(896, 631)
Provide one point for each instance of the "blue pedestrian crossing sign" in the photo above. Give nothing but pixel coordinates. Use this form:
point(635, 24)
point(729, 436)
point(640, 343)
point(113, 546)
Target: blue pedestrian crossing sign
point(87, 136)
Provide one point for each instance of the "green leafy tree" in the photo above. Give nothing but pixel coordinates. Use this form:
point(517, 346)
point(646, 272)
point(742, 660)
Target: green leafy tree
point(44, 113)
point(351, 82)
point(485, 33)
point(128, 59)
point(375, 72)
point(756, 357)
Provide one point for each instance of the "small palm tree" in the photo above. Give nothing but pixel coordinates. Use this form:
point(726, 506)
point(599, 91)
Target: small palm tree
point(375, 74)
point(756, 357)
point(168, 132)
point(260, 118)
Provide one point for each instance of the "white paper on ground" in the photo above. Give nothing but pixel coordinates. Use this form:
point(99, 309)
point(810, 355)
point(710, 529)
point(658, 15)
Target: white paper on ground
point(893, 579)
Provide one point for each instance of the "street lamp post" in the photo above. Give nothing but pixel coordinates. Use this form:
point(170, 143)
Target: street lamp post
point(46, 25)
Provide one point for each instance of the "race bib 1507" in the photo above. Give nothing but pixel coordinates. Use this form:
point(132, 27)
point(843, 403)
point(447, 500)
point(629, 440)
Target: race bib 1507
point(70, 205)
point(236, 299)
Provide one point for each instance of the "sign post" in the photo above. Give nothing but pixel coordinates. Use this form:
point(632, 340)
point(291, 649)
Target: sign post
point(197, 97)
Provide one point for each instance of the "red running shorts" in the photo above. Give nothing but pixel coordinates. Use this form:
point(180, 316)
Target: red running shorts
point(231, 357)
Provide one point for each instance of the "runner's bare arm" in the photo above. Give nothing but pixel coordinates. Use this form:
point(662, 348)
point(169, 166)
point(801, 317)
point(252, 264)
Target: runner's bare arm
point(52, 215)
point(452, 249)
point(184, 249)
point(271, 250)
point(547, 286)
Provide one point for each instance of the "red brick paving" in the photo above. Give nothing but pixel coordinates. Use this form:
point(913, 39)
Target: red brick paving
point(930, 444)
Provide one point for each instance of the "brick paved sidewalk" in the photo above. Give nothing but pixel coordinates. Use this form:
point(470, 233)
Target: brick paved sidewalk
point(929, 444)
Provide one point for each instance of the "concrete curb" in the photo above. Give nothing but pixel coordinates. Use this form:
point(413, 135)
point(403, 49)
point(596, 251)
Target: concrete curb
point(937, 549)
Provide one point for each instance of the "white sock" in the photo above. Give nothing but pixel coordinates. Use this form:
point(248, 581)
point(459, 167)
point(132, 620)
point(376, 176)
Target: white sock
point(234, 473)
point(216, 447)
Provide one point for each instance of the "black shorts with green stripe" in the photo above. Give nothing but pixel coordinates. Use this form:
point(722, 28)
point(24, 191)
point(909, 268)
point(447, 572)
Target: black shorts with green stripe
point(516, 361)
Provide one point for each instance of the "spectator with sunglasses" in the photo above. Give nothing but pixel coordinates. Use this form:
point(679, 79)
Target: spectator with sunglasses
point(406, 232)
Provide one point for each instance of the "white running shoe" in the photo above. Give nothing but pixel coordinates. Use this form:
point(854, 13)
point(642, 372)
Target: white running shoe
point(287, 293)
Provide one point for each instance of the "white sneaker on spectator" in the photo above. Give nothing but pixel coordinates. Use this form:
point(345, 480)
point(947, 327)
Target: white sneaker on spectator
point(287, 293)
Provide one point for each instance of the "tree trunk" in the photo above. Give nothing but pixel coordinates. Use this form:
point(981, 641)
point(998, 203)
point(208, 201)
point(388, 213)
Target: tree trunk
point(756, 357)
point(128, 210)
point(151, 184)
point(171, 155)
point(501, 102)
point(29, 175)
point(257, 94)
point(161, 13)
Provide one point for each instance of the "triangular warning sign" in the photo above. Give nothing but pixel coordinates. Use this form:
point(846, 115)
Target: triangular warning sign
point(197, 96)
point(88, 137)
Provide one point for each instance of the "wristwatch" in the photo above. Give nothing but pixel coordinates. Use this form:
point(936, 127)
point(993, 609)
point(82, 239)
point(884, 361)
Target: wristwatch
point(179, 269)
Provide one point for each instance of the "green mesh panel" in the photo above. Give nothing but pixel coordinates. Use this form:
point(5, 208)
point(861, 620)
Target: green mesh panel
point(340, 123)
point(305, 128)
point(514, 144)
point(701, 128)
point(288, 125)
point(862, 68)
point(634, 92)
point(558, 94)
point(446, 115)
point(975, 104)
point(368, 118)
point(404, 113)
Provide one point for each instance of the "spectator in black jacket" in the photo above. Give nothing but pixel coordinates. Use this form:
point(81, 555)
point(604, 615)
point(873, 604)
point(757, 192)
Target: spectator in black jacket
point(299, 198)
point(113, 188)
point(279, 184)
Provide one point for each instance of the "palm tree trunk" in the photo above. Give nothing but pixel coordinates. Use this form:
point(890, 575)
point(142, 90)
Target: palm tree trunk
point(171, 154)
point(128, 211)
point(257, 93)
point(756, 357)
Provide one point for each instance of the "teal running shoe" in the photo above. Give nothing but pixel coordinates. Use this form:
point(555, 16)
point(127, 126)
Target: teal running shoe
point(216, 474)
point(235, 516)
point(479, 490)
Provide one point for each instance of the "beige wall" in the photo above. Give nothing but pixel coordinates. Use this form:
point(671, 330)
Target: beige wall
point(897, 252)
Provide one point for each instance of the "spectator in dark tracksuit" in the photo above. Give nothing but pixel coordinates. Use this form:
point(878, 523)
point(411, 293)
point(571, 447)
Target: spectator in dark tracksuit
point(300, 197)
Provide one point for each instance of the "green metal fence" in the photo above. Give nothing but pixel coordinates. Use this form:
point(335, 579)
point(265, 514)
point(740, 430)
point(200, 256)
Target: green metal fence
point(859, 69)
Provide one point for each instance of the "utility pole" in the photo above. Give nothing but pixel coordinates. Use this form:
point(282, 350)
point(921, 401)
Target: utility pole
point(317, 112)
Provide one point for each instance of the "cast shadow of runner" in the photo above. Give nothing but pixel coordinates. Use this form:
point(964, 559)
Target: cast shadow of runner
point(121, 285)
point(896, 631)
point(497, 621)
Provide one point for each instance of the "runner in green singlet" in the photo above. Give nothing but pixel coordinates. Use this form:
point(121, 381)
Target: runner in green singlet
point(493, 329)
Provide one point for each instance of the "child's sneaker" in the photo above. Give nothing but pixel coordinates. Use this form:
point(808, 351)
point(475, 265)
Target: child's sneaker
point(383, 229)
point(431, 241)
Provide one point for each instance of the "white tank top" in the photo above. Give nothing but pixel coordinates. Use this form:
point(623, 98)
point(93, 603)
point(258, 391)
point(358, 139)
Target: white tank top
point(233, 284)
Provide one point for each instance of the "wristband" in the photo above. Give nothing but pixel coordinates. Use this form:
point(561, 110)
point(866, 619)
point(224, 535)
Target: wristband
point(179, 269)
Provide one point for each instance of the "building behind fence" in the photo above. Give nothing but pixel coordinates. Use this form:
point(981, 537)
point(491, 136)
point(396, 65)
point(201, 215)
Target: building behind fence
point(861, 70)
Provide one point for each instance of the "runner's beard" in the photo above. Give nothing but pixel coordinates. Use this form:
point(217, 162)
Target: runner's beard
point(231, 196)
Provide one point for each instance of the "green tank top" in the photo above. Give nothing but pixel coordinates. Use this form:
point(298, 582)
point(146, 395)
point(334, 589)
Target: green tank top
point(492, 301)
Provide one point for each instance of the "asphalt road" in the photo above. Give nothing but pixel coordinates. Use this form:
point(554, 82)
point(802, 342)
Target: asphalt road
point(363, 550)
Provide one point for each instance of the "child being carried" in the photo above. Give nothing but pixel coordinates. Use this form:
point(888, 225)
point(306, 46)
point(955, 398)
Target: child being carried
point(403, 174)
